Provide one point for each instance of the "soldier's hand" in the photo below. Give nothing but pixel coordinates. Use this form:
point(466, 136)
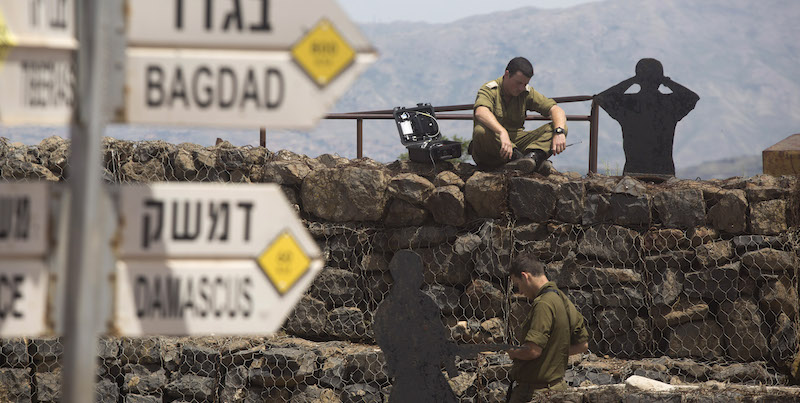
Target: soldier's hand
point(559, 143)
point(506, 147)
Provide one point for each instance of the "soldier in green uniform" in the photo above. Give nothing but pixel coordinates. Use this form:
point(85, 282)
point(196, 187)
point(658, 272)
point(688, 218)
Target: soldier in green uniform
point(554, 330)
point(498, 135)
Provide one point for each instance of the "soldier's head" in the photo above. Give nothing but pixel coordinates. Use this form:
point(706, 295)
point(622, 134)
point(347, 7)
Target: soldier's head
point(517, 76)
point(649, 73)
point(527, 273)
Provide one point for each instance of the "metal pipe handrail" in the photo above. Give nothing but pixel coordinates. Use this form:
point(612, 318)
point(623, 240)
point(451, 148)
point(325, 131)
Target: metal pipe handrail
point(386, 114)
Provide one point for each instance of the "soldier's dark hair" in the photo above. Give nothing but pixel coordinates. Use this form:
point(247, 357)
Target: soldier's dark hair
point(520, 64)
point(528, 263)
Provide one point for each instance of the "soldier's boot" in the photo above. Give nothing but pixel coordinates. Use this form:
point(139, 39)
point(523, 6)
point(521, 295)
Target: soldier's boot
point(525, 163)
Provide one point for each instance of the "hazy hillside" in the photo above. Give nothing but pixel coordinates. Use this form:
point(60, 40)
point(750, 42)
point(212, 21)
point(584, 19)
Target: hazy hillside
point(741, 57)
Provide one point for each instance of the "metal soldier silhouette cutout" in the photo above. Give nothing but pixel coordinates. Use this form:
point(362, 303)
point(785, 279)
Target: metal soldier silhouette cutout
point(648, 117)
point(409, 330)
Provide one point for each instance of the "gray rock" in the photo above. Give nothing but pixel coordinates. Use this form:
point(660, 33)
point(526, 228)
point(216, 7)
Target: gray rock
point(418, 237)
point(411, 188)
point(446, 298)
point(630, 210)
point(191, 387)
point(365, 366)
point(779, 295)
point(336, 287)
point(48, 386)
point(486, 193)
point(142, 399)
point(145, 350)
point(666, 283)
point(716, 283)
point(682, 311)
point(771, 261)
point(442, 265)
point(621, 296)
point(482, 300)
point(308, 318)
point(282, 367)
point(14, 353)
point(346, 323)
point(447, 205)
point(106, 391)
point(783, 342)
point(682, 208)
point(532, 198)
point(673, 260)
point(143, 380)
point(345, 194)
point(493, 257)
point(729, 214)
point(664, 240)
point(714, 254)
point(767, 217)
point(571, 201)
point(597, 209)
point(696, 339)
point(741, 373)
point(448, 178)
point(630, 187)
point(702, 235)
point(610, 242)
point(401, 213)
point(198, 360)
point(742, 322)
point(15, 385)
point(361, 393)
point(749, 243)
point(315, 394)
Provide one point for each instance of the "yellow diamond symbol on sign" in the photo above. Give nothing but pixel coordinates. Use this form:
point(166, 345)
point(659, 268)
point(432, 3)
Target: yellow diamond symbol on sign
point(284, 262)
point(323, 53)
point(7, 40)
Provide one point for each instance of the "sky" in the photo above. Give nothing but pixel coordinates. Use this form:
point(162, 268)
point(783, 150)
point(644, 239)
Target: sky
point(438, 11)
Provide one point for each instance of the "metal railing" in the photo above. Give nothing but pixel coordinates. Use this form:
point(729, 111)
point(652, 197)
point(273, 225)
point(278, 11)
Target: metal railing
point(592, 118)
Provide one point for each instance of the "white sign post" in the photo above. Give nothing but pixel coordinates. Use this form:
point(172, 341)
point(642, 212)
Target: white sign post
point(273, 63)
point(209, 259)
point(37, 46)
point(23, 247)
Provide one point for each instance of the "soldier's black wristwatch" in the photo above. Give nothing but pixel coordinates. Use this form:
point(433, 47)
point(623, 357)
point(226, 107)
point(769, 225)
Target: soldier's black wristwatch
point(559, 130)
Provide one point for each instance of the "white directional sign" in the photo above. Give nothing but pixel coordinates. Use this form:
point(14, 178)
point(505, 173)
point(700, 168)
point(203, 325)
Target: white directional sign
point(23, 297)
point(23, 219)
point(24, 212)
point(37, 44)
point(202, 258)
point(255, 63)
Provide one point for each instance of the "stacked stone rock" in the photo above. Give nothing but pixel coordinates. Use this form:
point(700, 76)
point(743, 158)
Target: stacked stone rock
point(699, 273)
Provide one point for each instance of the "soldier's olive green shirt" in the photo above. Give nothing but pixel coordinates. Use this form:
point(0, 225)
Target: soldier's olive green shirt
point(511, 113)
point(548, 327)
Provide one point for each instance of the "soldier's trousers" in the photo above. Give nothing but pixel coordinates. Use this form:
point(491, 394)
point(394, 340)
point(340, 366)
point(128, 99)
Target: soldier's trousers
point(485, 145)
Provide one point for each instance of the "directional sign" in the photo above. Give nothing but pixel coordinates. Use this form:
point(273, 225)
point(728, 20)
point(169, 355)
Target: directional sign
point(258, 63)
point(37, 44)
point(23, 297)
point(23, 219)
point(202, 258)
point(24, 212)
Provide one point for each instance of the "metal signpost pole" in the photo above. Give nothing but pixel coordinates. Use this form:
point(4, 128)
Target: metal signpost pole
point(94, 22)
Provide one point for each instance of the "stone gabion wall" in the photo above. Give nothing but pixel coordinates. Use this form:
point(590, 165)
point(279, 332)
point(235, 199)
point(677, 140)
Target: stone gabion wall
point(680, 281)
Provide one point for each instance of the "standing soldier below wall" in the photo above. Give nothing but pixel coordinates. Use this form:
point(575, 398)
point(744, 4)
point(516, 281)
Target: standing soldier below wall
point(554, 330)
point(498, 135)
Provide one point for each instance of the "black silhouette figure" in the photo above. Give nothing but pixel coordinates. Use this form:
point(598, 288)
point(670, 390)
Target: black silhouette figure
point(409, 330)
point(648, 117)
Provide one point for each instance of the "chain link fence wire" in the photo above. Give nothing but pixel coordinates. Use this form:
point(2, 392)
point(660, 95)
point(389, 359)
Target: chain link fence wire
point(674, 304)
